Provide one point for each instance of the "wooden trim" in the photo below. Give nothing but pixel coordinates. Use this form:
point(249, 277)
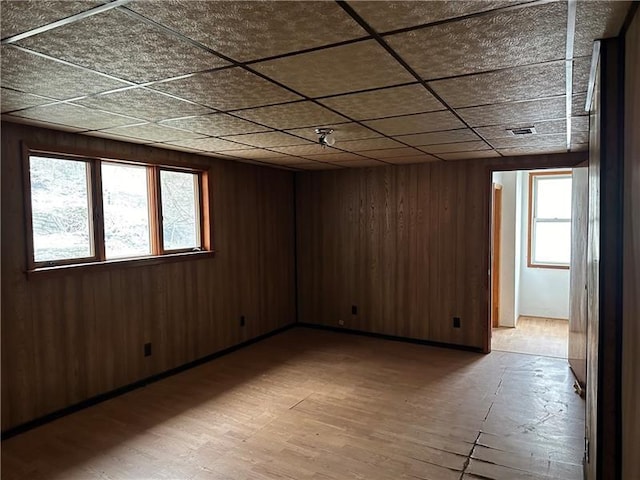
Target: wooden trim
point(496, 252)
point(595, 58)
point(530, 263)
point(155, 213)
point(98, 211)
point(206, 209)
point(26, 202)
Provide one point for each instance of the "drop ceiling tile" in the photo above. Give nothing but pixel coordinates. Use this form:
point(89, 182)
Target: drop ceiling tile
point(341, 132)
point(577, 105)
point(362, 163)
point(520, 83)
point(283, 160)
point(267, 139)
point(434, 138)
point(333, 157)
point(251, 30)
point(579, 147)
point(215, 125)
point(38, 123)
point(291, 115)
point(152, 133)
point(391, 153)
point(542, 128)
point(31, 73)
point(386, 102)
point(387, 16)
point(76, 116)
point(553, 140)
point(13, 100)
point(210, 144)
point(342, 69)
point(530, 111)
point(507, 39)
point(512, 152)
point(308, 151)
point(455, 147)
point(369, 144)
point(469, 155)
point(595, 20)
point(228, 89)
point(146, 104)
point(120, 45)
point(315, 166)
point(579, 125)
point(119, 138)
point(581, 70)
point(412, 159)
point(260, 154)
point(580, 137)
point(420, 123)
point(24, 15)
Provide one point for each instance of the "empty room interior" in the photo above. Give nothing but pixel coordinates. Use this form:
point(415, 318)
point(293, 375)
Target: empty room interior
point(320, 240)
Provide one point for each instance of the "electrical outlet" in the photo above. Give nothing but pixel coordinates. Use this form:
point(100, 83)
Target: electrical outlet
point(456, 322)
point(354, 309)
point(341, 323)
point(242, 320)
point(147, 349)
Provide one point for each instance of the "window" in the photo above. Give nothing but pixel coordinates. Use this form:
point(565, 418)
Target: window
point(92, 210)
point(550, 219)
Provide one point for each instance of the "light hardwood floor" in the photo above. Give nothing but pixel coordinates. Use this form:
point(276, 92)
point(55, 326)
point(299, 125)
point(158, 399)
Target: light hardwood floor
point(535, 336)
point(311, 404)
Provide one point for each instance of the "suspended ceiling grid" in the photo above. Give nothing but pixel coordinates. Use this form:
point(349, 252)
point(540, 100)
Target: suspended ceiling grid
point(400, 82)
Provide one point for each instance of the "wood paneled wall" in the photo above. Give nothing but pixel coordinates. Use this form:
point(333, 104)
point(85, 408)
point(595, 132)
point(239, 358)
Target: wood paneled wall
point(74, 336)
point(631, 262)
point(408, 245)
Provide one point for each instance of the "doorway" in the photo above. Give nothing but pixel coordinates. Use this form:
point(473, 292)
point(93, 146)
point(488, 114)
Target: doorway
point(530, 263)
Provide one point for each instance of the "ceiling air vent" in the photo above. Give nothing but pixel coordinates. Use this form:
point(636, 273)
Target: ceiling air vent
point(522, 131)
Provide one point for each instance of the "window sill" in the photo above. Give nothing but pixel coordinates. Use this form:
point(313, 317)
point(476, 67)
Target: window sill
point(42, 272)
point(550, 266)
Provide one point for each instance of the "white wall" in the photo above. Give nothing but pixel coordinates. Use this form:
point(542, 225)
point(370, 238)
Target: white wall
point(536, 292)
point(543, 292)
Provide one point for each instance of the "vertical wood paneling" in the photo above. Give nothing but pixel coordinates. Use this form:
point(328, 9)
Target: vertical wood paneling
point(71, 337)
point(631, 262)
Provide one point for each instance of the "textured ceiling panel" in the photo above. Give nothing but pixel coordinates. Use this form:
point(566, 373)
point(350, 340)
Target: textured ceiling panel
point(24, 15)
point(342, 132)
point(284, 160)
point(291, 115)
point(369, 144)
point(260, 154)
point(388, 102)
point(597, 19)
point(515, 113)
point(316, 166)
point(528, 35)
point(361, 163)
point(387, 16)
point(342, 69)
point(508, 152)
point(115, 43)
point(210, 144)
point(579, 125)
point(434, 138)
point(579, 147)
point(307, 151)
point(267, 139)
point(75, 116)
point(143, 103)
point(39, 123)
point(412, 159)
point(32, 73)
point(530, 141)
point(120, 138)
point(333, 157)
point(425, 122)
point(520, 83)
point(580, 137)
point(581, 70)
point(251, 30)
point(469, 155)
point(543, 128)
point(228, 89)
point(455, 147)
point(12, 100)
point(215, 125)
point(152, 133)
point(392, 153)
point(577, 105)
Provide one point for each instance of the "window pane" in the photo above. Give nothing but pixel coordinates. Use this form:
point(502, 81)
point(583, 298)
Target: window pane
point(59, 209)
point(180, 220)
point(126, 210)
point(552, 242)
point(553, 197)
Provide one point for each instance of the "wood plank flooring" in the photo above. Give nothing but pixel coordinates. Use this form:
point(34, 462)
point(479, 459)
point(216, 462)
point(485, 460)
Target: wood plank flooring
point(311, 404)
point(535, 336)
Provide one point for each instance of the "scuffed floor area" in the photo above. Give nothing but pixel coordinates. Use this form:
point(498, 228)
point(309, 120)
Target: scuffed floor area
point(311, 404)
point(535, 336)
